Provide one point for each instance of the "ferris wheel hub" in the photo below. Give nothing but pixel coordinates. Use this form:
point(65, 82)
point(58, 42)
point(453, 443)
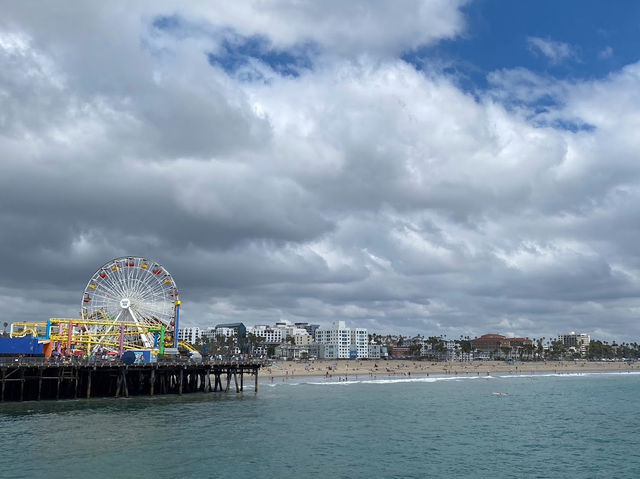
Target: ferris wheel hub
point(125, 303)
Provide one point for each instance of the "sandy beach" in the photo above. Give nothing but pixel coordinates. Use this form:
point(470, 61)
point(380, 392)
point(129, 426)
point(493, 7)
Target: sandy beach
point(389, 368)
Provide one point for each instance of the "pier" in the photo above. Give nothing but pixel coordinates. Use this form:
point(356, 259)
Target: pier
point(34, 379)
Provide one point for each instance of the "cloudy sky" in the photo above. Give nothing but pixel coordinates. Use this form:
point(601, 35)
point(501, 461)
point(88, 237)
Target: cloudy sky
point(427, 167)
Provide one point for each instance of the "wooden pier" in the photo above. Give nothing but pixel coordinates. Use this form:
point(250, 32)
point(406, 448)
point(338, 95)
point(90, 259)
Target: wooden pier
point(40, 380)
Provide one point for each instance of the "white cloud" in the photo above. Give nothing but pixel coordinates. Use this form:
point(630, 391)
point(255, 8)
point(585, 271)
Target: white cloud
point(556, 52)
point(606, 52)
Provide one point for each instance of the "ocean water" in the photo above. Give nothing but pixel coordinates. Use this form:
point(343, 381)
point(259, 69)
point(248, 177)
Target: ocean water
point(543, 426)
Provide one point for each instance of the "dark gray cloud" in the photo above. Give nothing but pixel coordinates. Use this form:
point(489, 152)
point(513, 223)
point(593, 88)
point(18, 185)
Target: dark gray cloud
point(360, 189)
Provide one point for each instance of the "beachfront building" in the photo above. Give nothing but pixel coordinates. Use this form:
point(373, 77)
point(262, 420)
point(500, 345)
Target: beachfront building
point(309, 328)
point(399, 352)
point(375, 351)
point(190, 335)
point(440, 348)
point(280, 333)
point(293, 352)
point(341, 342)
point(501, 347)
point(302, 338)
point(268, 334)
point(578, 341)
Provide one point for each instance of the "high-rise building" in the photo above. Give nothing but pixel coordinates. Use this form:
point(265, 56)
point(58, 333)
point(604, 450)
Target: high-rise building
point(579, 341)
point(341, 342)
point(190, 335)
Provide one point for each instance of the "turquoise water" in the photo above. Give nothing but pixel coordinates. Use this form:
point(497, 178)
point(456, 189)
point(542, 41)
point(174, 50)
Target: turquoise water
point(583, 426)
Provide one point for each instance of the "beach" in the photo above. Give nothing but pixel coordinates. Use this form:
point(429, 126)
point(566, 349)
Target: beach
point(351, 368)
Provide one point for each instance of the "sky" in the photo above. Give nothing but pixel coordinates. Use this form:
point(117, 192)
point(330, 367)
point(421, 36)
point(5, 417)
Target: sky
point(433, 167)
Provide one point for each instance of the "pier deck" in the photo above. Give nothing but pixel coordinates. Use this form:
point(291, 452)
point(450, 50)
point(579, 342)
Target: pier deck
point(31, 379)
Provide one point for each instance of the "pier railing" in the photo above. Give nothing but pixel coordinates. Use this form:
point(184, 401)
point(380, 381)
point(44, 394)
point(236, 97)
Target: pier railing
point(96, 361)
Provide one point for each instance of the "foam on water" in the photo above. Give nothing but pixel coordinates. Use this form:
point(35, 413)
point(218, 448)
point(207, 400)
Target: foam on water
point(321, 381)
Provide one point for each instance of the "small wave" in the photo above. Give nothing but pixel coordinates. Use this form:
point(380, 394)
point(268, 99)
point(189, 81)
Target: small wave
point(430, 379)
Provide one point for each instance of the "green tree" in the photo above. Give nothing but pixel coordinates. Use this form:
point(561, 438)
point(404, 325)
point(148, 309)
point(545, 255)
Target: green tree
point(558, 349)
point(465, 346)
point(527, 350)
point(415, 349)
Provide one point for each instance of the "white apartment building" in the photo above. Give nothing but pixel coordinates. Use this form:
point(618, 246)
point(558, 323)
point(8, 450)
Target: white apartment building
point(226, 332)
point(209, 333)
point(341, 342)
point(579, 341)
point(280, 332)
point(190, 335)
point(269, 334)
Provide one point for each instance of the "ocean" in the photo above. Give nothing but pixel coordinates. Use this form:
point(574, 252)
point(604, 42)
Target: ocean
point(501, 426)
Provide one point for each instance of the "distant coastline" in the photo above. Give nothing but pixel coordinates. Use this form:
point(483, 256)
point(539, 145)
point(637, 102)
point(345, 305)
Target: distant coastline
point(350, 368)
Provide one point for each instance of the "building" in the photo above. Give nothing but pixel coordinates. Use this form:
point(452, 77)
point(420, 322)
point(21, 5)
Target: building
point(578, 341)
point(293, 352)
point(498, 346)
point(399, 351)
point(441, 349)
point(310, 328)
point(376, 351)
point(341, 342)
point(268, 334)
point(190, 335)
point(303, 339)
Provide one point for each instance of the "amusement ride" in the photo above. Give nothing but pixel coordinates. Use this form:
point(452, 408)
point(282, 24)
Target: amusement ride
point(128, 303)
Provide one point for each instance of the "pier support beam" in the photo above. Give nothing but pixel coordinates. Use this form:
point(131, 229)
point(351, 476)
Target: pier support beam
point(40, 371)
point(152, 381)
point(59, 381)
point(21, 384)
point(89, 384)
point(255, 373)
point(124, 382)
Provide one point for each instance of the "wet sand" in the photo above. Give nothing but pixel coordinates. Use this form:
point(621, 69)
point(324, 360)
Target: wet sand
point(351, 368)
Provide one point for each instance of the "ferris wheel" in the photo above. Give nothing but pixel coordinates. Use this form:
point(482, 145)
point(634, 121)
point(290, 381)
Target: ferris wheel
point(130, 291)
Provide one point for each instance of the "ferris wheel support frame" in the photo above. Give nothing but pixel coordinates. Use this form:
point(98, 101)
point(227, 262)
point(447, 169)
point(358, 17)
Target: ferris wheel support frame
point(177, 325)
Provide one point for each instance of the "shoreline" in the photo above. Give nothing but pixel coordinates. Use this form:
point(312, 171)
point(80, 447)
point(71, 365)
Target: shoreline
point(352, 368)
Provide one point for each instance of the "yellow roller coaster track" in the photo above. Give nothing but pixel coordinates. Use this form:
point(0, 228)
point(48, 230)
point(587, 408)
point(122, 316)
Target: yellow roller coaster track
point(81, 332)
point(189, 347)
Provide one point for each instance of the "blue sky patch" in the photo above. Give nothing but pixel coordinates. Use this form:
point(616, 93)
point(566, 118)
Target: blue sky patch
point(237, 52)
point(569, 39)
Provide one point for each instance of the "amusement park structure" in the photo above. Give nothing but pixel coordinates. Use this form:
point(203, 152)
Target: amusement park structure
point(128, 303)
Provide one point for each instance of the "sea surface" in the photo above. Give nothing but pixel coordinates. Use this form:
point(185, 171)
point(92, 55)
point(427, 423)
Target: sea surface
point(540, 426)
